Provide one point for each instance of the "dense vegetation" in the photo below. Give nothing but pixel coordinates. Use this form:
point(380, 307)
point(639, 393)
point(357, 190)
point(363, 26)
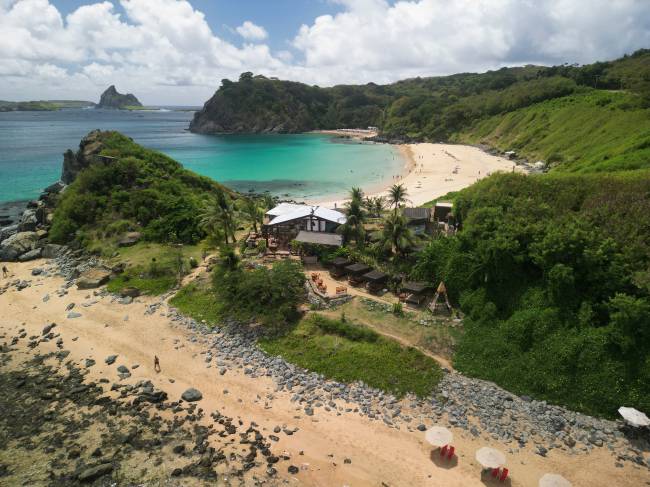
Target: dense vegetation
point(141, 190)
point(483, 107)
point(268, 296)
point(553, 273)
point(349, 353)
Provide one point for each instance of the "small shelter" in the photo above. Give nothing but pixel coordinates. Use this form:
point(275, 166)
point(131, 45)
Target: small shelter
point(338, 267)
point(355, 273)
point(442, 211)
point(441, 292)
point(418, 220)
point(414, 292)
point(375, 281)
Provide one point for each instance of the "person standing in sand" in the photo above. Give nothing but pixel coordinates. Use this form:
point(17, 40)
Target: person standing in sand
point(5, 271)
point(156, 363)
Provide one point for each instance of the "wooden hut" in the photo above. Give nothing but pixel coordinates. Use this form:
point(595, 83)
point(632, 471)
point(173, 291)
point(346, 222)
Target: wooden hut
point(355, 273)
point(414, 292)
point(338, 267)
point(375, 281)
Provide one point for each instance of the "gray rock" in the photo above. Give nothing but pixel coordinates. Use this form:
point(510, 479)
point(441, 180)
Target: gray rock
point(48, 328)
point(73, 314)
point(31, 255)
point(110, 360)
point(93, 279)
point(17, 244)
point(6, 232)
point(192, 395)
point(51, 251)
point(37, 271)
point(123, 369)
point(90, 362)
point(94, 473)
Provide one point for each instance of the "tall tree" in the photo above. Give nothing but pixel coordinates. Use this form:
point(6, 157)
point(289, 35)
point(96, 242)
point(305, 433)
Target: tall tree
point(217, 218)
point(397, 195)
point(253, 212)
point(396, 236)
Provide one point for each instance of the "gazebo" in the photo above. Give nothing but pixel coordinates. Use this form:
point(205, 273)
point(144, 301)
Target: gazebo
point(338, 267)
point(355, 273)
point(375, 280)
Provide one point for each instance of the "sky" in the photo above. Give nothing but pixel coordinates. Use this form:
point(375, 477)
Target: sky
point(176, 52)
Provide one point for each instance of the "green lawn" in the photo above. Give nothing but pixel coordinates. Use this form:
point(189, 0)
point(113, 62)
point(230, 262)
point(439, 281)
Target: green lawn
point(348, 353)
point(198, 301)
point(148, 275)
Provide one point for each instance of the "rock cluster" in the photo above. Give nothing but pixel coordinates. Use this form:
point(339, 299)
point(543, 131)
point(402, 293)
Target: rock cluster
point(111, 98)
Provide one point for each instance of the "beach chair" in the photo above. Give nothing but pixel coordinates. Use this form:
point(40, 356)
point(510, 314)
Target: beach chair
point(443, 451)
point(450, 453)
point(495, 472)
point(504, 475)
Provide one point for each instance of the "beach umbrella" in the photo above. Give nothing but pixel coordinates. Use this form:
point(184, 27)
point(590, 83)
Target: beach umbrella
point(634, 417)
point(490, 458)
point(439, 436)
point(553, 480)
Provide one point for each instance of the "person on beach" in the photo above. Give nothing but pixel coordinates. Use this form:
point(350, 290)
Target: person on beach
point(156, 363)
point(5, 271)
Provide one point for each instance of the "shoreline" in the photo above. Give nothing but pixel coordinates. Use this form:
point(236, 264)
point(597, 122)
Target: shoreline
point(432, 170)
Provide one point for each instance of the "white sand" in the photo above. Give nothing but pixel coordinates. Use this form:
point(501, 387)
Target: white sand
point(433, 170)
point(380, 455)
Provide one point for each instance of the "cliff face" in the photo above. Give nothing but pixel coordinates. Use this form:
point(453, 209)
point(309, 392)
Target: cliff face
point(261, 105)
point(112, 99)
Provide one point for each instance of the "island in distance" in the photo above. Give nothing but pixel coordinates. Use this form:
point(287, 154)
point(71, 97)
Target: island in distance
point(111, 98)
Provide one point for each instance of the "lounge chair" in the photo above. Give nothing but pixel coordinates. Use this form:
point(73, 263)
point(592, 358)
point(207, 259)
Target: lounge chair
point(504, 475)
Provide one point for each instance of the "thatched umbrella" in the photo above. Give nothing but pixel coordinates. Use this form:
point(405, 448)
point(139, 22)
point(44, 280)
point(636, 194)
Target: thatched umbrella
point(439, 436)
point(490, 458)
point(634, 417)
point(553, 480)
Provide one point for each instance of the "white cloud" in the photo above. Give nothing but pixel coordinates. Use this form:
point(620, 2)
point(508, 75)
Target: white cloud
point(165, 51)
point(372, 40)
point(252, 32)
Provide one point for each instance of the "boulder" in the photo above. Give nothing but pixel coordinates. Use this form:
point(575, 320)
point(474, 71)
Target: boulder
point(93, 278)
point(93, 473)
point(28, 221)
point(16, 245)
point(31, 255)
point(131, 292)
point(54, 188)
point(110, 360)
point(192, 395)
point(6, 232)
point(129, 239)
point(50, 251)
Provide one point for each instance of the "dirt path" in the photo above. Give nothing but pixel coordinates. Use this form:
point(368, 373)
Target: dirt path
point(378, 455)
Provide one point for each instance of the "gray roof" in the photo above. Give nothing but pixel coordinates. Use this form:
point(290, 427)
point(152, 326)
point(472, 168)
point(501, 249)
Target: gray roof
point(416, 213)
point(320, 238)
point(375, 276)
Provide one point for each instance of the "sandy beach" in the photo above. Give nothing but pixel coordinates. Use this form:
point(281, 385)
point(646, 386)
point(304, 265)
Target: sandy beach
point(376, 454)
point(433, 170)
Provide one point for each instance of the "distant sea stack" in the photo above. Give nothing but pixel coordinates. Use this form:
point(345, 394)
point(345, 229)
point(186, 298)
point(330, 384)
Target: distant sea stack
point(112, 99)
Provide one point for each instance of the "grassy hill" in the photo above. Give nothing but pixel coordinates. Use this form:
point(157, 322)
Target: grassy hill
point(597, 130)
point(42, 105)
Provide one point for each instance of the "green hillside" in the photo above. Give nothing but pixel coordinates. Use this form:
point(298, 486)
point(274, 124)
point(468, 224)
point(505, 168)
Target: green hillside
point(553, 274)
point(139, 190)
point(42, 105)
point(596, 130)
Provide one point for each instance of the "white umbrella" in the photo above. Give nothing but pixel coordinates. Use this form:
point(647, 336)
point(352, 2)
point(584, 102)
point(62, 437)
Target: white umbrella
point(634, 417)
point(553, 480)
point(490, 458)
point(439, 436)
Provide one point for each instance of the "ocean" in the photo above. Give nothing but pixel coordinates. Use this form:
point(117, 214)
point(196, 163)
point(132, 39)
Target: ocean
point(307, 166)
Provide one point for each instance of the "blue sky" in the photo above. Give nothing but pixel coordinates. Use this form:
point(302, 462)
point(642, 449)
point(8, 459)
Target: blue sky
point(178, 51)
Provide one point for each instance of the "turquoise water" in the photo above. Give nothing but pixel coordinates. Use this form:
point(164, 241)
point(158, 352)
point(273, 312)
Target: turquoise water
point(294, 166)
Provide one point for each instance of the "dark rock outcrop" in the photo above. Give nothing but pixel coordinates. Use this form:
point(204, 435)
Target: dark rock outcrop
point(88, 153)
point(112, 99)
point(93, 279)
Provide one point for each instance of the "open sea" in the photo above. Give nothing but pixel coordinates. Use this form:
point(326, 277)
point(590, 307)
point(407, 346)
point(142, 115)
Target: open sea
point(309, 166)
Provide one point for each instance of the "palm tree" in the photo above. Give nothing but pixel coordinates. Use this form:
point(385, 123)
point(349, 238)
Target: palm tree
point(353, 227)
point(253, 212)
point(356, 194)
point(378, 205)
point(397, 195)
point(217, 218)
point(396, 236)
